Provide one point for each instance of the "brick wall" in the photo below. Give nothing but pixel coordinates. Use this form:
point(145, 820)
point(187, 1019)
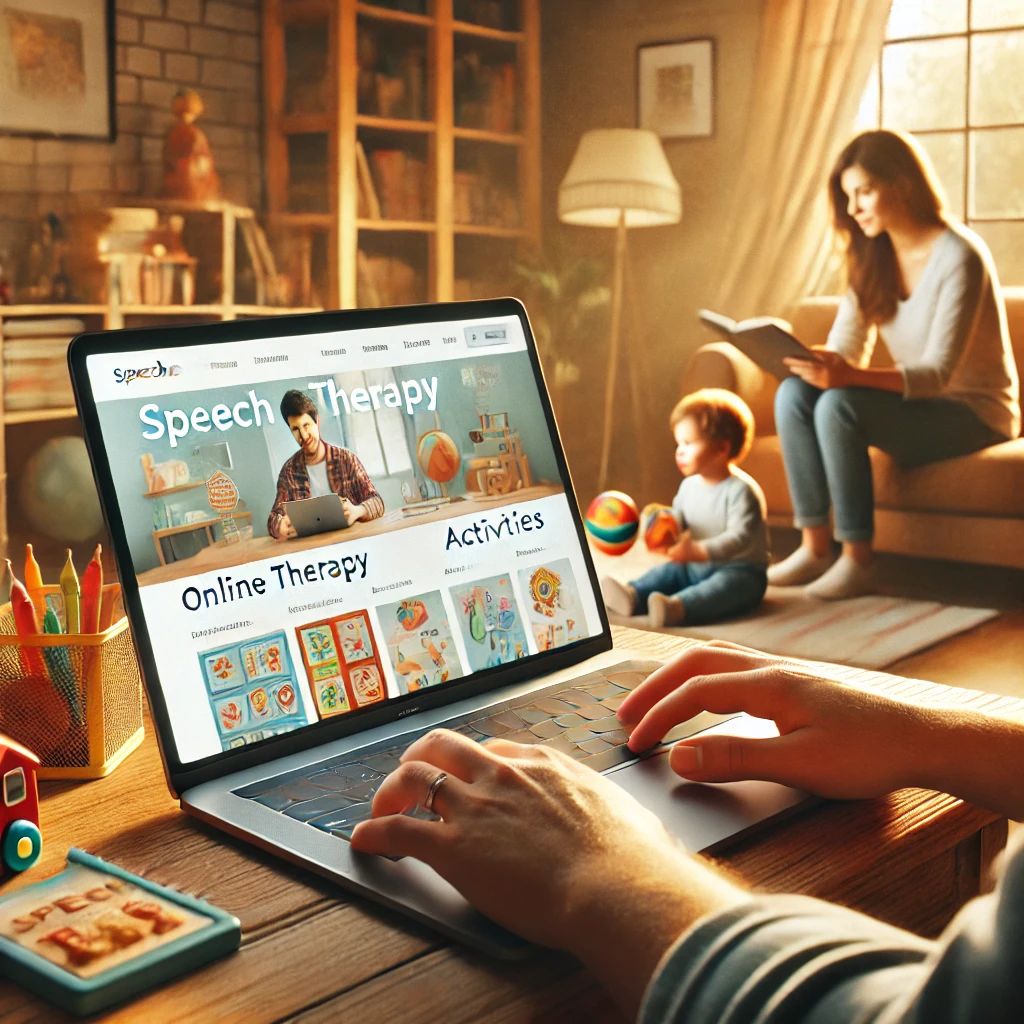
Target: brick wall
point(212, 46)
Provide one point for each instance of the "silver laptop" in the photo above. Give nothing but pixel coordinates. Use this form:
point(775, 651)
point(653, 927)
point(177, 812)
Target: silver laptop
point(321, 514)
point(285, 684)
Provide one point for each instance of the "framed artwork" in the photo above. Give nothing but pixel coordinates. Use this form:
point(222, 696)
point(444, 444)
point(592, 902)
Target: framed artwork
point(57, 68)
point(675, 86)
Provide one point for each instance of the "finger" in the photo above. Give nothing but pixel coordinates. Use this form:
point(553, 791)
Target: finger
point(753, 691)
point(408, 785)
point(736, 758)
point(451, 752)
point(507, 748)
point(398, 835)
point(706, 659)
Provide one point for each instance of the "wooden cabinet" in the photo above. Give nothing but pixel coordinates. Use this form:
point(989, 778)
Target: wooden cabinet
point(402, 144)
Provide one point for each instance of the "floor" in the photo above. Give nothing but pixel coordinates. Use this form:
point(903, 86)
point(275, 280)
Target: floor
point(990, 657)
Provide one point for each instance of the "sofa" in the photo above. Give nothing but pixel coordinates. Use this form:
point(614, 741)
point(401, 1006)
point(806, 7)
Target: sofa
point(967, 509)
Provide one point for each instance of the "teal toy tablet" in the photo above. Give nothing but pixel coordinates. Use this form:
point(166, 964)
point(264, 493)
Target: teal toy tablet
point(96, 935)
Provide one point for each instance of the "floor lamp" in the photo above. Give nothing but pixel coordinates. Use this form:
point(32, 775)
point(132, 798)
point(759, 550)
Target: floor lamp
point(619, 178)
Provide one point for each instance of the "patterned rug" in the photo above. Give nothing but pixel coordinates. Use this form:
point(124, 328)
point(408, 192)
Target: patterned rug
point(867, 632)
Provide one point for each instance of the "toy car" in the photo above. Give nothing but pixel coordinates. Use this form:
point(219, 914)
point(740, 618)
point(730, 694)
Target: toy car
point(20, 839)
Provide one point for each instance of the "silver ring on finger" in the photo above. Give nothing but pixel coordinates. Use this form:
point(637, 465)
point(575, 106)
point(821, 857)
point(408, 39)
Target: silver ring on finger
point(432, 790)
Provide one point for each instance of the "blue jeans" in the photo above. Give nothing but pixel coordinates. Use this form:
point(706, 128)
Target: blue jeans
point(710, 591)
point(825, 437)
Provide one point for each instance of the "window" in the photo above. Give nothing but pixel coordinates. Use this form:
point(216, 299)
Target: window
point(377, 437)
point(15, 789)
point(952, 73)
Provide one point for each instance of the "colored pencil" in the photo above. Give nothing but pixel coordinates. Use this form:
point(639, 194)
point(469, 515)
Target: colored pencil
point(72, 596)
point(92, 590)
point(34, 582)
point(111, 598)
point(58, 661)
point(27, 625)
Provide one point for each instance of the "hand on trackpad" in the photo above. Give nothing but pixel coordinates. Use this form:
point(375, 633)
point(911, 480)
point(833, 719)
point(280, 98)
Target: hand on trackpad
point(700, 814)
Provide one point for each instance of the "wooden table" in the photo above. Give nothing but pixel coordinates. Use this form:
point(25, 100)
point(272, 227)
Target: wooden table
point(311, 951)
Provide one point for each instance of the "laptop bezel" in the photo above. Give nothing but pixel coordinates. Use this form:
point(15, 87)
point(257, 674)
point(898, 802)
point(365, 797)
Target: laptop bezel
point(182, 776)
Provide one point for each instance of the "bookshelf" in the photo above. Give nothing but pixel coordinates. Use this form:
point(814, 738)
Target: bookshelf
point(439, 100)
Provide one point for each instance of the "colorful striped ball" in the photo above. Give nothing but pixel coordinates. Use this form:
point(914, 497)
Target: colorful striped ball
point(612, 522)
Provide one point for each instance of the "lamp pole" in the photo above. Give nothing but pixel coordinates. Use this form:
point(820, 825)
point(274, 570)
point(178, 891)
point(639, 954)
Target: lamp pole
point(613, 349)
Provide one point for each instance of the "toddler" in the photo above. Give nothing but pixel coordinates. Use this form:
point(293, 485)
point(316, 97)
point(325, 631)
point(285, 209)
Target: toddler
point(717, 567)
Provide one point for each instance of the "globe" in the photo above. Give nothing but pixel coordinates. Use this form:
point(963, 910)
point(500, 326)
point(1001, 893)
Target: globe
point(58, 493)
point(438, 456)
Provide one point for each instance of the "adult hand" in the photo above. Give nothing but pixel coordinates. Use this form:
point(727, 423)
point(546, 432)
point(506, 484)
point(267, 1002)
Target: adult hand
point(548, 848)
point(285, 528)
point(353, 513)
point(834, 740)
point(832, 372)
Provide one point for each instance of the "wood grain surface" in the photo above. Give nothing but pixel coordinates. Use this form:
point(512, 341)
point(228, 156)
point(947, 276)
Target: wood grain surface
point(311, 952)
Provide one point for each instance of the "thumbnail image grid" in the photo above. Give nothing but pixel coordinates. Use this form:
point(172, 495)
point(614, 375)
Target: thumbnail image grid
point(342, 663)
point(419, 642)
point(252, 689)
point(554, 605)
point(490, 621)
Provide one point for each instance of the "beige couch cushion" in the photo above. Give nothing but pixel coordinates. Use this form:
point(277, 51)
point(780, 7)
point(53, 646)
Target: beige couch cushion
point(987, 483)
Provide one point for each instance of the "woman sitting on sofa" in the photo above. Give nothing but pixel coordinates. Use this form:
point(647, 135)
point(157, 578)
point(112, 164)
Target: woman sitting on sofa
point(928, 287)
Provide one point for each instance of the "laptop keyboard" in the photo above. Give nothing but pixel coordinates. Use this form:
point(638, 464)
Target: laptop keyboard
point(335, 795)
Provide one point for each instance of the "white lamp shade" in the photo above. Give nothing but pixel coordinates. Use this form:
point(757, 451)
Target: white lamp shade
point(620, 171)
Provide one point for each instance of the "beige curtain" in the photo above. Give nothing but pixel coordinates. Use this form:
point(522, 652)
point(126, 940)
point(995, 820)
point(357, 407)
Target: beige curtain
point(814, 58)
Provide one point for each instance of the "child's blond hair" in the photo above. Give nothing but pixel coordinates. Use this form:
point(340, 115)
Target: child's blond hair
point(720, 415)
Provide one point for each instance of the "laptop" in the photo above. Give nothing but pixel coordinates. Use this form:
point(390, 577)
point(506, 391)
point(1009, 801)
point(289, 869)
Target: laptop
point(321, 514)
point(285, 684)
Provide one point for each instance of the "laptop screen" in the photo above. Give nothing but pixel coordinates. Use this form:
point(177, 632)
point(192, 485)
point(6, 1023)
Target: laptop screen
point(431, 537)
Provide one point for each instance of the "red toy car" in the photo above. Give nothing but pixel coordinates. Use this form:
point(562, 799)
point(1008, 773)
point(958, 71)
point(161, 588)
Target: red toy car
point(20, 839)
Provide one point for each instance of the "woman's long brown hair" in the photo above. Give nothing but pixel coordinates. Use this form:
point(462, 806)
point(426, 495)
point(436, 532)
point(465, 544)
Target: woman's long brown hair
point(871, 267)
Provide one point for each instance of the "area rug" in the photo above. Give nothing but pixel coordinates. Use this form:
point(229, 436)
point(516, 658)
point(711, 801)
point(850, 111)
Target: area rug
point(866, 632)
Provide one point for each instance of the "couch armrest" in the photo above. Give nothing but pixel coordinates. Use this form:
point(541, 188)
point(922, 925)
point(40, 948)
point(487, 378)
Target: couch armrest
point(722, 365)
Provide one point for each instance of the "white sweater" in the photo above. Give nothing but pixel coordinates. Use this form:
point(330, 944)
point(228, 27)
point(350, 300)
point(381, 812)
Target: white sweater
point(949, 339)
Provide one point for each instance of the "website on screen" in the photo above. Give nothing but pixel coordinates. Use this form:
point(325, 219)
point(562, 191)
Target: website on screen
point(322, 523)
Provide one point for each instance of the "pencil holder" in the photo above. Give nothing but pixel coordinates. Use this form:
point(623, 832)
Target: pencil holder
point(74, 699)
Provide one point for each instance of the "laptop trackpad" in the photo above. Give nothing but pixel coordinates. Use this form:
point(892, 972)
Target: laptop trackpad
point(701, 815)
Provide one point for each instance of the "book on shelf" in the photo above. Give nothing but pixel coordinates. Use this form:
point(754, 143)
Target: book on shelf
point(477, 200)
point(369, 204)
point(35, 371)
point(400, 180)
point(386, 281)
point(485, 94)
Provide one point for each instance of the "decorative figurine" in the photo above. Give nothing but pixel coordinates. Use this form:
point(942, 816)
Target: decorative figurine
point(188, 161)
point(20, 839)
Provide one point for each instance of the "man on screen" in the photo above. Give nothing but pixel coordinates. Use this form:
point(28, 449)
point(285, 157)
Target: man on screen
point(319, 468)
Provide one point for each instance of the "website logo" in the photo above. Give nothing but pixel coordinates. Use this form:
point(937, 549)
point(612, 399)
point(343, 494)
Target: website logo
point(147, 372)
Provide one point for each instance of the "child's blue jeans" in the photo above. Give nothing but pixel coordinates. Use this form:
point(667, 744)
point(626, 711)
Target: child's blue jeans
point(710, 591)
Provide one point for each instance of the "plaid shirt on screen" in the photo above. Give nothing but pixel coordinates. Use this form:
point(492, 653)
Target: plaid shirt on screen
point(345, 474)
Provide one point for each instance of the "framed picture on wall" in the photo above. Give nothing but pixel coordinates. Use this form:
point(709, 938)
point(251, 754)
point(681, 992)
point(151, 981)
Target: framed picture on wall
point(675, 88)
point(57, 68)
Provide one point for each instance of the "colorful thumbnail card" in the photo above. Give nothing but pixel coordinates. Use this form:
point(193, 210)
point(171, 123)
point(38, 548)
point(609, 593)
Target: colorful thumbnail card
point(554, 607)
point(253, 689)
point(95, 935)
point(491, 624)
point(342, 663)
point(419, 641)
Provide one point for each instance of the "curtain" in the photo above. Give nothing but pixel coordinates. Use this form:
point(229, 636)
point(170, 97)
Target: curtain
point(813, 62)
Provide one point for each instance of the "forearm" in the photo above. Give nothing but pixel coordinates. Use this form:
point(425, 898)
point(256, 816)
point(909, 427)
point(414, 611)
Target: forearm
point(624, 936)
point(976, 757)
point(880, 378)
